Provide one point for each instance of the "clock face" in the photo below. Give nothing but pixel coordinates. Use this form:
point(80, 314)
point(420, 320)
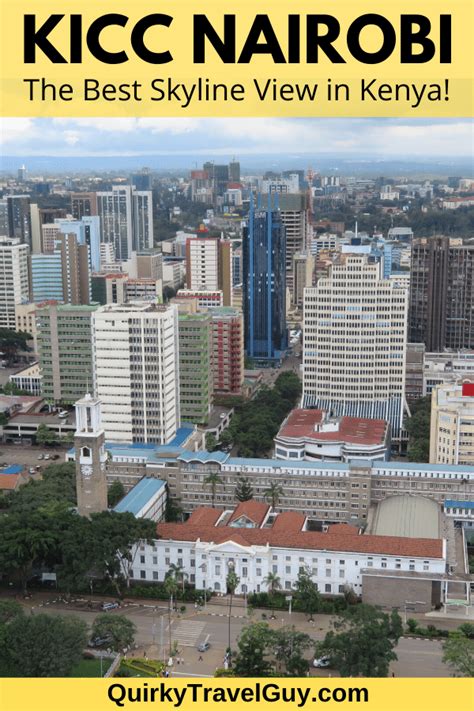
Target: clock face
point(86, 470)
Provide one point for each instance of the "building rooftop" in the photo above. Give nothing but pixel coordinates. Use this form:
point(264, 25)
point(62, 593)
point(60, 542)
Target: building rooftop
point(8, 482)
point(138, 497)
point(407, 516)
point(315, 425)
point(254, 511)
point(12, 469)
point(290, 534)
point(453, 504)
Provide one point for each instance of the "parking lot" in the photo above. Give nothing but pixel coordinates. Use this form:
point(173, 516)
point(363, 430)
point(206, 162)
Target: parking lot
point(27, 455)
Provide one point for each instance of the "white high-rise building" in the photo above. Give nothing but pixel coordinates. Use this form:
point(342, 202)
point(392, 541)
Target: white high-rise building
point(14, 282)
point(126, 217)
point(136, 371)
point(354, 342)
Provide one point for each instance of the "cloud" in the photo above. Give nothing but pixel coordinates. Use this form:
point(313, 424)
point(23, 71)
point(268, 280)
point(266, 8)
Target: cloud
point(97, 137)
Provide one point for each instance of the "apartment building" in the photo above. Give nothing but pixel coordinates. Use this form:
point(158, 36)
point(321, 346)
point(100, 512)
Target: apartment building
point(14, 280)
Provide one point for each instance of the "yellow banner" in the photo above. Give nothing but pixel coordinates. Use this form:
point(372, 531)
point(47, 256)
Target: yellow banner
point(240, 694)
point(409, 58)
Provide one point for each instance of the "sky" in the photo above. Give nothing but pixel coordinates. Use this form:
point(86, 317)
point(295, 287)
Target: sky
point(71, 137)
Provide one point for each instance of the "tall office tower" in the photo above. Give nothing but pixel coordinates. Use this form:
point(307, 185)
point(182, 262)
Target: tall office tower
point(303, 271)
point(354, 342)
point(293, 216)
point(19, 218)
point(209, 266)
point(87, 231)
point(201, 187)
point(219, 176)
point(145, 265)
point(14, 282)
point(136, 371)
point(452, 424)
point(142, 180)
point(142, 208)
point(91, 458)
point(83, 205)
point(234, 171)
point(64, 334)
point(264, 283)
point(4, 228)
point(36, 236)
point(63, 276)
point(126, 217)
point(195, 367)
point(22, 174)
point(442, 293)
point(236, 264)
point(227, 326)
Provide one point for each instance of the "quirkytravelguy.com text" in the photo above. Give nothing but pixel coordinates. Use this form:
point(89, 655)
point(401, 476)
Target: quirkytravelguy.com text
point(298, 696)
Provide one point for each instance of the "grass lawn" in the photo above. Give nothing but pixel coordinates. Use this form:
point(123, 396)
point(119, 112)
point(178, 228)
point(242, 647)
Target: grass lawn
point(90, 667)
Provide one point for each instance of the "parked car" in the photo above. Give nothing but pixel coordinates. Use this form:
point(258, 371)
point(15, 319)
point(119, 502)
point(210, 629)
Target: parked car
point(322, 663)
point(106, 606)
point(203, 647)
point(47, 456)
point(32, 470)
point(63, 413)
point(40, 456)
point(100, 641)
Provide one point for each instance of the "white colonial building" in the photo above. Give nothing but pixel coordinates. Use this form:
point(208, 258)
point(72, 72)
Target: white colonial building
point(255, 541)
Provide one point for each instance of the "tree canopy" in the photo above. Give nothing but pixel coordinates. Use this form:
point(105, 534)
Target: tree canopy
point(458, 653)
point(418, 428)
point(118, 628)
point(363, 642)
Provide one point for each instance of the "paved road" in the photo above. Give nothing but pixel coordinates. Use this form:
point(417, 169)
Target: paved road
point(416, 657)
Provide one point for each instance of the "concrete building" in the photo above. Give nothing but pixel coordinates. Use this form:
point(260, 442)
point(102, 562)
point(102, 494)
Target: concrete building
point(449, 367)
point(303, 273)
point(145, 265)
point(195, 367)
point(63, 276)
point(25, 320)
point(65, 351)
point(173, 274)
point(209, 266)
point(83, 205)
point(14, 281)
point(87, 231)
point(28, 379)
point(121, 289)
point(205, 299)
point(264, 284)
point(227, 350)
point(415, 361)
point(442, 293)
point(49, 235)
point(452, 424)
point(19, 218)
point(309, 435)
point(255, 541)
point(354, 343)
point(293, 216)
point(136, 371)
point(126, 218)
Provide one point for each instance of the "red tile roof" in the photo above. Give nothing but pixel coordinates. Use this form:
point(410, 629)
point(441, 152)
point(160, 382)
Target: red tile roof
point(353, 430)
point(253, 510)
point(9, 482)
point(291, 536)
point(344, 529)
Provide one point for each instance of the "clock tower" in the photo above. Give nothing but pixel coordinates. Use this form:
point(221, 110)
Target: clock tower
point(91, 457)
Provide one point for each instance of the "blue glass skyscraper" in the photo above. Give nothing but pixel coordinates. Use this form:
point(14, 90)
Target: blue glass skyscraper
point(264, 282)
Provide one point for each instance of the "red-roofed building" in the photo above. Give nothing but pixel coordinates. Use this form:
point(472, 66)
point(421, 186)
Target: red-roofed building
point(255, 541)
point(311, 435)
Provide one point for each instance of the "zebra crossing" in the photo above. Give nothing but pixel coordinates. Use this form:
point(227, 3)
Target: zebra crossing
point(187, 633)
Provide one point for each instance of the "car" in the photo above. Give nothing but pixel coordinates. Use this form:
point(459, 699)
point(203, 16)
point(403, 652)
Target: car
point(40, 456)
point(55, 457)
point(99, 641)
point(203, 647)
point(47, 456)
point(63, 413)
point(322, 662)
point(106, 606)
point(32, 470)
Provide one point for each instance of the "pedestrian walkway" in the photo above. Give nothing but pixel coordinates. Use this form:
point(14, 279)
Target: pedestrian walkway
point(187, 633)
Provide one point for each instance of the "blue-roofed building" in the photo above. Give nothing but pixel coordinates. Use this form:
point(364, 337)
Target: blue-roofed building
point(461, 511)
point(12, 469)
point(146, 500)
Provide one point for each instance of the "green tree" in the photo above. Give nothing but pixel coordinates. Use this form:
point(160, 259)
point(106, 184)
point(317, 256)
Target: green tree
point(251, 659)
point(42, 646)
point(173, 511)
point(115, 494)
point(119, 628)
point(273, 582)
point(13, 341)
point(54, 492)
point(179, 573)
point(45, 436)
point(9, 609)
point(307, 594)
point(289, 647)
point(274, 494)
point(418, 428)
point(244, 489)
point(363, 642)
point(226, 438)
point(458, 653)
point(211, 442)
point(232, 583)
point(213, 480)
point(288, 385)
